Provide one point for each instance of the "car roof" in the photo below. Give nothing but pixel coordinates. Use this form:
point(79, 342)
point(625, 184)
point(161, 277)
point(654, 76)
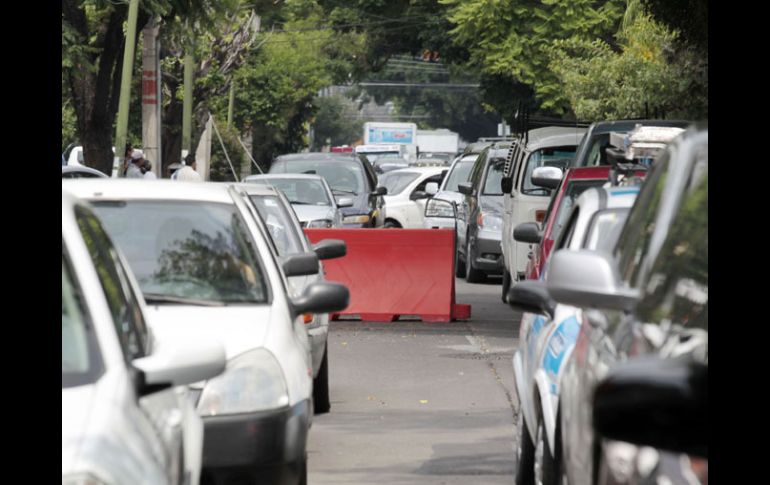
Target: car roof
point(421, 170)
point(316, 156)
point(554, 136)
point(139, 189)
point(307, 176)
point(627, 125)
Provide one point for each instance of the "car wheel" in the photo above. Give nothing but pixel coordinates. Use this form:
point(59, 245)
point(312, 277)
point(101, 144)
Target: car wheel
point(546, 471)
point(391, 225)
point(525, 454)
point(472, 275)
point(321, 402)
point(506, 285)
point(303, 472)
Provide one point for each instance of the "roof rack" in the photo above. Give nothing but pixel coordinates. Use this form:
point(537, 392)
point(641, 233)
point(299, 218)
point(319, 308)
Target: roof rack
point(638, 149)
point(523, 122)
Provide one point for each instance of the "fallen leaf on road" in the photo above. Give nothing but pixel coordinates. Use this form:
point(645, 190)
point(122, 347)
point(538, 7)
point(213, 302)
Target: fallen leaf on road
point(423, 401)
point(344, 343)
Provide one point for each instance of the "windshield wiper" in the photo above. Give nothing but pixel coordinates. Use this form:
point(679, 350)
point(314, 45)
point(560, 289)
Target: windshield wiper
point(345, 191)
point(298, 202)
point(151, 298)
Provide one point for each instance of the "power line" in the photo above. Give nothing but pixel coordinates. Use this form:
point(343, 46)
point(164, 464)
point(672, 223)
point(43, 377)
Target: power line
point(418, 85)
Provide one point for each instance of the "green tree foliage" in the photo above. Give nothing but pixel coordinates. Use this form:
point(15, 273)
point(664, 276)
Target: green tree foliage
point(334, 122)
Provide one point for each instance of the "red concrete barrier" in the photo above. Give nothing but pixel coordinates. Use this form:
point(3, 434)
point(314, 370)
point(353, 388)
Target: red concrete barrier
point(396, 272)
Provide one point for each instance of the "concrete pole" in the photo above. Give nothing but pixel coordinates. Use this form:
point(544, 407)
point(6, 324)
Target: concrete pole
point(125, 88)
point(151, 122)
point(231, 103)
point(187, 103)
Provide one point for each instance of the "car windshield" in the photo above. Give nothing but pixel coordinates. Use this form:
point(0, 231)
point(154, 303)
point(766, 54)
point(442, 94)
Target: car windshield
point(460, 173)
point(494, 176)
point(279, 223)
point(187, 249)
point(80, 359)
point(302, 191)
point(342, 176)
point(545, 157)
point(573, 191)
point(396, 182)
point(604, 229)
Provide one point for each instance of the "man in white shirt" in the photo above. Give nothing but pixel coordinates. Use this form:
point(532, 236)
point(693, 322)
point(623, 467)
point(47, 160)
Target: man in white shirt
point(134, 170)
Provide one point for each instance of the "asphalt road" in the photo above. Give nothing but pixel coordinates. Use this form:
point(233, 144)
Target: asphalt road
point(423, 403)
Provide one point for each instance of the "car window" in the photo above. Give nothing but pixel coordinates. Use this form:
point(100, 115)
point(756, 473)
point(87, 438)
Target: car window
point(460, 173)
point(81, 361)
point(397, 181)
point(279, 224)
point(433, 178)
point(301, 191)
point(493, 177)
point(604, 228)
point(545, 157)
point(124, 306)
point(341, 175)
point(477, 167)
point(187, 250)
point(571, 193)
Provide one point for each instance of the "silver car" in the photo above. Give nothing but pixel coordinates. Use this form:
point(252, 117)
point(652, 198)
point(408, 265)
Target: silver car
point(126, 414)
point(309, 195)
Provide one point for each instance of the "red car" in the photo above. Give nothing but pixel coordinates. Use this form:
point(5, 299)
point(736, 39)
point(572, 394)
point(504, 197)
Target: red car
point(575, 181)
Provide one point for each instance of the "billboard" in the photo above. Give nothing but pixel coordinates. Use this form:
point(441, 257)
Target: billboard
point(381, 134)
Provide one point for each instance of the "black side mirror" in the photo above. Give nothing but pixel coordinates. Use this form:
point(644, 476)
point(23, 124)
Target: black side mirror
point(330, 248)
point(465, 188)
point(418, 194)
point(649, 401)
point(380, 191)
point(322, 298)
point(527, 232)
point(300, 264)
point(506, 185)
point(531, 296)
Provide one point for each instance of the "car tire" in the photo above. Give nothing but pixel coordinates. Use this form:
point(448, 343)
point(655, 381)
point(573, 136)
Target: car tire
point(391, 225)
point(472, 275)
point(459, 265)
point(321, 401)
point(506, 285)
point(303, 472)
point(525, 454)
point(546, 470)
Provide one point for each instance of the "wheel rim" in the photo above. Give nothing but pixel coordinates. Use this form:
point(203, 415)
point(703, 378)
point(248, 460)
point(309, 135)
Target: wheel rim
point(539, 456)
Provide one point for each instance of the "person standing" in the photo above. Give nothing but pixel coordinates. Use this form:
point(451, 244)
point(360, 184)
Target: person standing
point(147, 171)
point(134, 169)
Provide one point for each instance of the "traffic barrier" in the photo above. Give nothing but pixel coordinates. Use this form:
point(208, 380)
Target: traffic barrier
point(394, 273)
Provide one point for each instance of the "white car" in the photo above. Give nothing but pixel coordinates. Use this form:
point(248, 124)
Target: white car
point(549, 333)
point(406, 197)
point(127, 417)
point(310, 197)
point(274, 209)
point(206, 270)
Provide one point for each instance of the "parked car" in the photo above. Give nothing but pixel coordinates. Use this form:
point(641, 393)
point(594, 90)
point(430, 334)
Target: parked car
point(592, 149)
point(126, 414)
point(436, 208)
point(348, 176)
point(646, 301)
point(548, 331)
point(206, 269)
point(478, 248)
point(80, 171)
point(310, 197)
point(405, 202)
point(545, 151)
point(274, 209)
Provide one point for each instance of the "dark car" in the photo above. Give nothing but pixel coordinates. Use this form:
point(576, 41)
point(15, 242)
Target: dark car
point(592, 151)
point(348, 175)
point(638, 373)
point(80, 171)
point(479, 252)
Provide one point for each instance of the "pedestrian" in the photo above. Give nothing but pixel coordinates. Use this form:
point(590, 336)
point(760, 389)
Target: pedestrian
point(147, 171)
point(187, 172)
point(134, 169)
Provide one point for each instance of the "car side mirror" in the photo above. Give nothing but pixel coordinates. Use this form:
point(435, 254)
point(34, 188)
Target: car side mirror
point(321, 297)
point(345, 202)
point(303, 264)
point(531, 296)
point(380, 191)
point(431, 188)
point(418, 195)
point(176, 363)
point(465, 188)
point(528, 232)
point(547, 177)
point(649, 401)
point(506, 185)
point(330, 248)
point(586, 278)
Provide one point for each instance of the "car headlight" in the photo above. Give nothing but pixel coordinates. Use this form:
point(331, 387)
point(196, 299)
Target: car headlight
point(359, 219)
point(323, 223)
point(81, 479)
point(439, 208)
point(253, 381)
point(490, 222)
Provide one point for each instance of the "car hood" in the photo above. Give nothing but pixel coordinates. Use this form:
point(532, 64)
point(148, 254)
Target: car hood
point(492, 204)
point(238, 328)
point(306, 213)
point(449, 195)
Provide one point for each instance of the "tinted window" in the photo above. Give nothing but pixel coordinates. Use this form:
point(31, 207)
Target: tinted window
point(187, 250)
point(494, 176)
point(545, 157)
point(279, 224)
point(342, 176)
point(301, 191)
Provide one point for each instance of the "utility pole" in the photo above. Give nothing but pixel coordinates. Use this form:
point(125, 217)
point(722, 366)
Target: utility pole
point(231, 103)
point(188, 103)
point(125, 87)
point(151, 126)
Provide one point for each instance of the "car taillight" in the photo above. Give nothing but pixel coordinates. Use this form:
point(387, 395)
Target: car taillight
point(480, 220)
point(539, 215)
point(307, 317)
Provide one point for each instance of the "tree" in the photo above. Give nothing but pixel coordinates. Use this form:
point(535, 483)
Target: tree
point(334, 122)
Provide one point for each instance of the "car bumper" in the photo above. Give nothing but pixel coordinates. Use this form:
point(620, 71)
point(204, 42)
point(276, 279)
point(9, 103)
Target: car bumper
point(438, 223)
point(488, 255)
point(262, 447)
